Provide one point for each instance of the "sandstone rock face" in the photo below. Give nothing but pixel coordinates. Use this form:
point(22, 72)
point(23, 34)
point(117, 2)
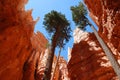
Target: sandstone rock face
point(41, 64)
point(22, 52)
point(16, 28)
point(69, 53)
point(39, 42)
point(61, 72)
point(63, 69)
point(106, 14)
point(88, 61)
point(20, 47)
point(31, 66)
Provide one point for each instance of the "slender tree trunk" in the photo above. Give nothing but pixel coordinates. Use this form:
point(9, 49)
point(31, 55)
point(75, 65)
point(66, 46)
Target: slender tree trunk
point(47, 72)
point(108, 52)
point(56, 64)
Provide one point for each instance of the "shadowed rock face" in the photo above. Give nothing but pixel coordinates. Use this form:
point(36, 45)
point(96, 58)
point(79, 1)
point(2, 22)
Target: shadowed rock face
point(16, 28)
point(31, 66)
point(20, 47)
point(91, 64)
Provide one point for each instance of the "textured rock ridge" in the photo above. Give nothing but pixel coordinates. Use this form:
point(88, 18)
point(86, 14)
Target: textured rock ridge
point(88, 61)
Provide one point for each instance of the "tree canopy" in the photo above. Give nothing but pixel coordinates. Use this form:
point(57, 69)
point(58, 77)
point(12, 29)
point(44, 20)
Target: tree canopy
point(58, 26)
point(57, 22)
point(79, 14)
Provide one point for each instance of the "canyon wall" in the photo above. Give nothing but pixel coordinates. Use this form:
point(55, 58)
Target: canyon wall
point(88, 61)
point(16, 29)
point(22, 52)
point(61, 72)
point(31, 66)
point(106, 15)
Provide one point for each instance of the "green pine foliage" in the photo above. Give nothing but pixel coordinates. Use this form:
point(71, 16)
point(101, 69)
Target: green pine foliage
point(79, 14)
point(55, 22)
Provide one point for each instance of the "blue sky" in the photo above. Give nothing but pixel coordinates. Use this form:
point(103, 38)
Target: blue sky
point(42, 7)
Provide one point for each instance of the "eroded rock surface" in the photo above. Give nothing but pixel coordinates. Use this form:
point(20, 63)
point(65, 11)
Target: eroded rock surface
point(86, 51)
point(16, 29)
point(22, 52)
point(88, 61)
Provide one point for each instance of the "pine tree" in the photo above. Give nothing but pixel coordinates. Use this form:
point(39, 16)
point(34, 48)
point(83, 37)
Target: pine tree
point(58, 26)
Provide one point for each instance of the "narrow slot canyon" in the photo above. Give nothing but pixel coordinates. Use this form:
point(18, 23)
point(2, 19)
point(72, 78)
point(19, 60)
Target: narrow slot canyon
point(24, 52)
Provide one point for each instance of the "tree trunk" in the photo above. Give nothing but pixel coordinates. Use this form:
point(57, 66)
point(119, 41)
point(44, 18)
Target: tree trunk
point(108, 52)
point(47, 72)
point(56, 64)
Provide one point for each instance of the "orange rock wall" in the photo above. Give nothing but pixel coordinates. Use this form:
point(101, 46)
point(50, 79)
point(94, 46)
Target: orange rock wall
point(31, 65)
point(20, 47)
point(106, 14)
point(89, 62)
point(22, 52)
point(16, 28)
point(61, 72)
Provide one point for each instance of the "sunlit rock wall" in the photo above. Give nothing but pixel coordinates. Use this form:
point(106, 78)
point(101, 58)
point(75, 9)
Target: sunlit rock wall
point(63, 69)
point(31, 66)
point(88, 61)
point(61, 72)
point(106, 15)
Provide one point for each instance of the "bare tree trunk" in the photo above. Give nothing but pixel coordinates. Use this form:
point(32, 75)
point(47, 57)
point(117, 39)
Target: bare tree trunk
point(56, 64)
point(108, 52)
point(47, 72)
